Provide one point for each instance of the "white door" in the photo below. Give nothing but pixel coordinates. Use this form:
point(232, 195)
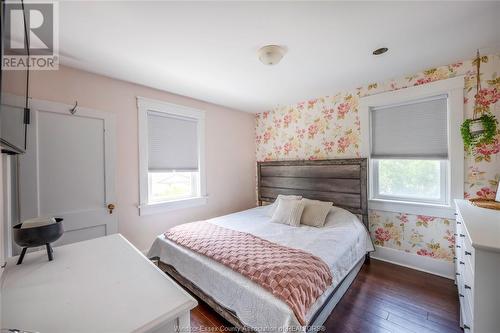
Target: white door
point(68, 170)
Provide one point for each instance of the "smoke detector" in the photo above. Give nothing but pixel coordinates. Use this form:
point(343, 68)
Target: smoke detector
point(271, 54)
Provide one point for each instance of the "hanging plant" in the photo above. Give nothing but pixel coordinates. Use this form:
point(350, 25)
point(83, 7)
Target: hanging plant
point(482, 128)
point(487, 134)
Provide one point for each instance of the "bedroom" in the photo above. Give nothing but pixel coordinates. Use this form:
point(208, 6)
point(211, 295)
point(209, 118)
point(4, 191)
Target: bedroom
point(162, 134)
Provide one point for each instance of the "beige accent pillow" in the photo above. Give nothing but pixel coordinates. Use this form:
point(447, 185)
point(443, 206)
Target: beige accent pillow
point(273, 207)
point(315, 212)
point(288, 212)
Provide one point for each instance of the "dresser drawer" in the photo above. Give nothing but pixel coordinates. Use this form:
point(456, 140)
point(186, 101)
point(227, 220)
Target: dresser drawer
point(460, 285)
point(458, 226)
point(465, 307)
point(461, 275)
point(467, 249)
point(458, 248)
point(468, 285)
point(458, 258)
point(467, 317)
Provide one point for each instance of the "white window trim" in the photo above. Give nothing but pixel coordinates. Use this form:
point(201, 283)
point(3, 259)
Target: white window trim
point(454, 89)
point(144, 105)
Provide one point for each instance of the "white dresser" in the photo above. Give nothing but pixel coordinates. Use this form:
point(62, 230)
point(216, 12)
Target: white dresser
point(477, 266)
point(100, 285)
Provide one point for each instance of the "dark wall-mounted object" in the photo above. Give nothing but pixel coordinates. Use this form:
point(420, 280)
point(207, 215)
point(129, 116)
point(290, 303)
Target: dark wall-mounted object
point(38, 236)
point(14, 113)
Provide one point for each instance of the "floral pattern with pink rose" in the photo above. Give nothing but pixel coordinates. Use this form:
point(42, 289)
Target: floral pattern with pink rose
point(329, 127)
point(422, 235)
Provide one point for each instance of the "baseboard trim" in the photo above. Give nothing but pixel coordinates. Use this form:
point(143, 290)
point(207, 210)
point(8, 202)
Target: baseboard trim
point(414, 261)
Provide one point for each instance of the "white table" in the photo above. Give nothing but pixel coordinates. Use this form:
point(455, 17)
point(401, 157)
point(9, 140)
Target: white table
point(100, 285)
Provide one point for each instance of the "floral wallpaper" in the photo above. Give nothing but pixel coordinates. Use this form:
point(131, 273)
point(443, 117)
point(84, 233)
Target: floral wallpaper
point(329, 127)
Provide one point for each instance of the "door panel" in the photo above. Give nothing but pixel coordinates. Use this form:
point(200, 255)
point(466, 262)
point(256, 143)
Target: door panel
point(68, 170)
point(71, 156)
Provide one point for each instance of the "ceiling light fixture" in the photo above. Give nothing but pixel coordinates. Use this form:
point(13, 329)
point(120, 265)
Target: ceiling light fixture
point(380, 51)
point(271, 54)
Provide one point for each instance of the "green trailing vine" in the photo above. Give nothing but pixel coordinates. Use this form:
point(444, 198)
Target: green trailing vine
point(489, 123)
point(466, 134)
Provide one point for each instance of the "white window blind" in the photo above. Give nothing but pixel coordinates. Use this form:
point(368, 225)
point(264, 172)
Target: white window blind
point(173, 143)
point(411, 130)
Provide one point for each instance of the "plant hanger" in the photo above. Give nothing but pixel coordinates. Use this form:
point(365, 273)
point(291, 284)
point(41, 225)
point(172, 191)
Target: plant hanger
point(481, 129)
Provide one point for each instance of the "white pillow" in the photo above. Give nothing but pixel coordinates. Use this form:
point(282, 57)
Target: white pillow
point(340, 217)
point(288, 212)
point(272, 208)
point(315, 212)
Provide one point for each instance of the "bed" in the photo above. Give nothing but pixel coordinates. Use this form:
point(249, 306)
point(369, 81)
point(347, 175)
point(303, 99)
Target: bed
point(343, 244)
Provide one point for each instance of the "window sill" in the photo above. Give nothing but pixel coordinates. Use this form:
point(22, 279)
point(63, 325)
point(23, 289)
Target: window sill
point(161, 207)
point(414, 208)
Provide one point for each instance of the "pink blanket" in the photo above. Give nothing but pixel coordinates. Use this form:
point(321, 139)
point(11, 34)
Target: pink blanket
point(294, 276)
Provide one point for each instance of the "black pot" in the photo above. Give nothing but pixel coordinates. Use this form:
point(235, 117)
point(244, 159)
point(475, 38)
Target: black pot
point(38, 236)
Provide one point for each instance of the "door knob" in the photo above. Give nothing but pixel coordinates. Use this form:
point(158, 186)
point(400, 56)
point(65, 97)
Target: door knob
point(110, 208)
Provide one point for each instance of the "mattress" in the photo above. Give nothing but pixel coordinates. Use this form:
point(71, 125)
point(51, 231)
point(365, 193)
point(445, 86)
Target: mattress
point(341, 243)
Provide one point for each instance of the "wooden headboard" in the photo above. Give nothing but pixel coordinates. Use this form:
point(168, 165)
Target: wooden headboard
point(342, 181)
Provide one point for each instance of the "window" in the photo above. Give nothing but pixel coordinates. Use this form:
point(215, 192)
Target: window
point(410, 180)
point(171, 149)
point(409, 149)
point(412, 139)
point(167, 186)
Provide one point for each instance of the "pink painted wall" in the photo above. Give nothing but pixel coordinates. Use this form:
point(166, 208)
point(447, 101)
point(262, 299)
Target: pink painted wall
point(230, 148)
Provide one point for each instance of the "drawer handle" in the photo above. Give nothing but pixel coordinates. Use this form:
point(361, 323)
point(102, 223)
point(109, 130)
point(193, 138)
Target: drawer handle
point(457, 274)
point(455, 234)
point(467, 253)
point(461, 295)
point(467, 287)
point(462, 235)
point(458, 222)
point(466, 327)
point(462, 263)
point(454, 258)
point(459, 247)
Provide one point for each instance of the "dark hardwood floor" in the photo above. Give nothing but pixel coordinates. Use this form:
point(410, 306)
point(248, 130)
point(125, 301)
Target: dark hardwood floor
point(383, 298)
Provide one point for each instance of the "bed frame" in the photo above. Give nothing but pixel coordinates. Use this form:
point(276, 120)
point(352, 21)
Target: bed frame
point(341, 181)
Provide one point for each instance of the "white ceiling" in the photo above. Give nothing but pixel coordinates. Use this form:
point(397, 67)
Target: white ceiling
point(208, 50)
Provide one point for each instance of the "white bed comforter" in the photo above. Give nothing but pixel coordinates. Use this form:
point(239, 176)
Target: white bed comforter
point(340, 244)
